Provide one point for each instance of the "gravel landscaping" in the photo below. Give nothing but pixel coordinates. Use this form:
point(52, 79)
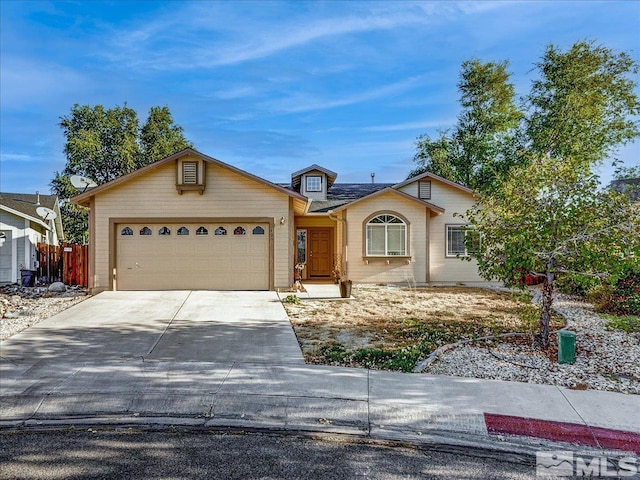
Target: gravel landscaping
point(606, 359)
point(21, 307)
point(384, 317)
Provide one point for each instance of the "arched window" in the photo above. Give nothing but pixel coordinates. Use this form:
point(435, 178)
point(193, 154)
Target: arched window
point(386, 236)
point(145, 231)
point(126, 231)
point(258, 230)
point(164, 231)
point(239, 231)
point(183, 231)
point(202, 231)
point(221, 231)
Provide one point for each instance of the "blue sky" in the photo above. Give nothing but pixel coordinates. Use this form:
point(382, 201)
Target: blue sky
point(272, 87)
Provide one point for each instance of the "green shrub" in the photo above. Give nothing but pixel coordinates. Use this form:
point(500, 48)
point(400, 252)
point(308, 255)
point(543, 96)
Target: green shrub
point(626, 323)
point(291, 299)
point(579, 285)
point(626, 296)
point(600, 296)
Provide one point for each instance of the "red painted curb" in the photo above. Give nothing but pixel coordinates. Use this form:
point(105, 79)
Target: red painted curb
point(562, 432)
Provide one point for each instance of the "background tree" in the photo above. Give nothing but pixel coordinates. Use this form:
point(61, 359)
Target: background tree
point(584, 104)
point(160, 137)
point(480, 148)
point(104, 144)
point(548, 217)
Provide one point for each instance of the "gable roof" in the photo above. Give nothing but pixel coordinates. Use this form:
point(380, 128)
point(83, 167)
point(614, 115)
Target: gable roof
point(84, 198)
point(434, 208)
point(433, 176)
point(25, 204)
point(296, 177)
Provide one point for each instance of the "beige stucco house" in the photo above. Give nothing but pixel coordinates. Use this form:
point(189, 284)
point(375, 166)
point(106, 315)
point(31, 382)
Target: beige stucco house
point(190, 221)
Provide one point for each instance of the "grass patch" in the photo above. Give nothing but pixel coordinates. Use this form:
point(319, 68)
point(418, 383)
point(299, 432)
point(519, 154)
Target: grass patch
point(626, 323)
point(393, 328)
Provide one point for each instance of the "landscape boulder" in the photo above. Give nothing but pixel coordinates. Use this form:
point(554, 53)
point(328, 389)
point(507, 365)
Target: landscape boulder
point(57, 287)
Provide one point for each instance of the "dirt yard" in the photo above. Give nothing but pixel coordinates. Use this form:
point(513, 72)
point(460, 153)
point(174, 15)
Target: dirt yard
point(392, 328)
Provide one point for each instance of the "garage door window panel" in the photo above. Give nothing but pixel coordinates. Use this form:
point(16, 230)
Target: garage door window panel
point(145, 231)
point(183, 231)
point(126, 231)
point(164, 231)
point(202, 231)
point(239, 231)
point(221, 231)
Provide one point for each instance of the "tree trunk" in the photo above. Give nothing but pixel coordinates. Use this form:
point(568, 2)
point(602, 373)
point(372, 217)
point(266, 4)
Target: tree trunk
point(542, 340)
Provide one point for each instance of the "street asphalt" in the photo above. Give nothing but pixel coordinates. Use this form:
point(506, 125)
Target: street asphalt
point(216, 360)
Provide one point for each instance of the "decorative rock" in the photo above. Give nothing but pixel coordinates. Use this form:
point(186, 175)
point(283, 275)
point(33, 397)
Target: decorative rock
point(57, 287)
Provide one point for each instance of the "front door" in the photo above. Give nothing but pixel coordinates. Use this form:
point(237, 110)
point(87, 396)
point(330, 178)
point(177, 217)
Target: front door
point(320, 252)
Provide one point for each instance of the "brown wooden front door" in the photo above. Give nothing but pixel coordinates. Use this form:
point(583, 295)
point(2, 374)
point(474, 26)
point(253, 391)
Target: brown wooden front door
point(320, 252)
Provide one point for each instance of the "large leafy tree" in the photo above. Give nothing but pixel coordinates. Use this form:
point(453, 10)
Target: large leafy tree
point(160, 137)
point(104, 144)
point(584, 104)
point(548, 216)
point(480, 149)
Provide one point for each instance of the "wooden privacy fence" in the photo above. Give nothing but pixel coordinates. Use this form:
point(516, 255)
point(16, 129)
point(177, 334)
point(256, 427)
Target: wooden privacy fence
point(64, 263)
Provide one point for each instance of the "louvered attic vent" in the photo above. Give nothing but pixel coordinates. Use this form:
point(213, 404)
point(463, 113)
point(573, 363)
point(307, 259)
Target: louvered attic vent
point(190, 176)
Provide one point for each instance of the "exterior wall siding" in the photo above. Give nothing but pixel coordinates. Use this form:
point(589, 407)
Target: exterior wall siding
point(443, 268)
point(228, 194)
point(24, 236)
point(377, 270)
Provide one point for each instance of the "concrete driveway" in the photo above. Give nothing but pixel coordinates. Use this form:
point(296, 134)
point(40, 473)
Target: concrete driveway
point(183, 326)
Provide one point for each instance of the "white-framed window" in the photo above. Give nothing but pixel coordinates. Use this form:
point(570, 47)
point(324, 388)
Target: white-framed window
point(314, 183)
point(462, 240)
point(386, 236)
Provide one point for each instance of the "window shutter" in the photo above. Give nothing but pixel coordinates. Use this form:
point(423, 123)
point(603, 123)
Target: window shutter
point(190, 173)
point(424, 190)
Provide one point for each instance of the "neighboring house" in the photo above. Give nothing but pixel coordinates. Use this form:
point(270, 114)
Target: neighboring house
point(631, 186)
point(21, 229)
point(190, 221)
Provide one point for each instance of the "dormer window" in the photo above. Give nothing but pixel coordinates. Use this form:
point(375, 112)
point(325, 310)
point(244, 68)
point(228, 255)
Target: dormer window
point(190, 175)
point(314, 183)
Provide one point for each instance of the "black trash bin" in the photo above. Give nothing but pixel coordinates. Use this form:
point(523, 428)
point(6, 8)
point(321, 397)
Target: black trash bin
point(28, 278)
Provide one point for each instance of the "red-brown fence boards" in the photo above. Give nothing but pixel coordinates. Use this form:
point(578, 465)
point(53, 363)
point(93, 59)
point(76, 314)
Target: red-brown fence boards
point(63, 263)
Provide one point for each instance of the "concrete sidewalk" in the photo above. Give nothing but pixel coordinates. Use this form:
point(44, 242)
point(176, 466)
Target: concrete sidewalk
point(411, 408)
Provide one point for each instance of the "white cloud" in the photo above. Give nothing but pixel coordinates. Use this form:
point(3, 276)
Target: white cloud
point(235, 39)
point(411, 125)
point(305, 103)
point(16, 157)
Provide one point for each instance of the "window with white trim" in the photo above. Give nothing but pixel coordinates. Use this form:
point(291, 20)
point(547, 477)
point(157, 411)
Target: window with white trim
point(314, 183)
point(386, 236)
point(462, 240)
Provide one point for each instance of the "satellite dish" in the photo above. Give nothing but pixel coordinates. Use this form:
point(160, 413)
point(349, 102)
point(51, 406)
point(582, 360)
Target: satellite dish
point(46, 213)
point(82, 183)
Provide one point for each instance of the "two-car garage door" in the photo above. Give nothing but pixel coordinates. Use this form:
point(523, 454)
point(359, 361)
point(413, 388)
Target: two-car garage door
point(194, 256)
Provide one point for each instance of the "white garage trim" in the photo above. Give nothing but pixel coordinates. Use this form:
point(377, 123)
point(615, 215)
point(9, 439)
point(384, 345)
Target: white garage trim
point(115, 224)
